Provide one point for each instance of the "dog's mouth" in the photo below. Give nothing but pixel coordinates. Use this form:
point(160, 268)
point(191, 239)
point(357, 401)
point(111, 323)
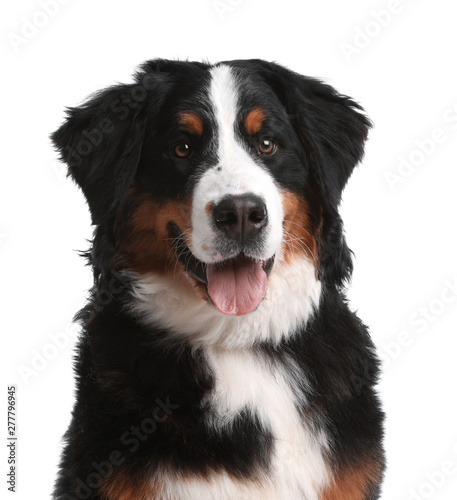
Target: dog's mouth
point(235, 286)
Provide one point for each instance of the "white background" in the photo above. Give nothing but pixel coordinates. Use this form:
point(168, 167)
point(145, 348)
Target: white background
point(403, 232)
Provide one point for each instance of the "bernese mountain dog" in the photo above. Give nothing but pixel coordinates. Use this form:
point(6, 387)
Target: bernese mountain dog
point(219, 359)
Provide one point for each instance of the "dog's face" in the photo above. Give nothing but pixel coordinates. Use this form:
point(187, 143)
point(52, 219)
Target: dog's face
point(234, 175)
point(220, 174)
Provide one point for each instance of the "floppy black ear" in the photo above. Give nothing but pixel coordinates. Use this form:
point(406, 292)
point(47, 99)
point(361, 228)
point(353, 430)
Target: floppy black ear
point(332, 129)
point(101, 143)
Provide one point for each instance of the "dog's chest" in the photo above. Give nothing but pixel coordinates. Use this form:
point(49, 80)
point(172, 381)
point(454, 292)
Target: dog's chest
point(245, 382)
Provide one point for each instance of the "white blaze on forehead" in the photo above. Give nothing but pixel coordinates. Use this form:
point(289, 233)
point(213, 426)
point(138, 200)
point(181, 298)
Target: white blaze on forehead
point(235, 173)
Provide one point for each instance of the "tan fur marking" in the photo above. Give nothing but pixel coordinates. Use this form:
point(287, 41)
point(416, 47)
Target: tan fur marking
point(126, 487)
point(209, 208)
point(300, 235)
point(254, 121)
point(353, 483)
point(143, 242)
point(142, 234)
point(192, 122)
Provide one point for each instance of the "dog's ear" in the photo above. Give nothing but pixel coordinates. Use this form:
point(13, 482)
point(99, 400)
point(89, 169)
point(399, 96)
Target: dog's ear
point(101, 143)
point(332, 129)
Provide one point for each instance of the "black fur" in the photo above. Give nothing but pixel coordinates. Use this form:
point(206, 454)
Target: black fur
point(126, 374)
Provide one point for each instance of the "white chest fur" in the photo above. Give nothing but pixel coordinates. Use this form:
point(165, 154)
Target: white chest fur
point(292, 296)
point(298, 471)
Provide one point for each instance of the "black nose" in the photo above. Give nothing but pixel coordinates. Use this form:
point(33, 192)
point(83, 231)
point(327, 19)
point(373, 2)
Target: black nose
point(241, 217)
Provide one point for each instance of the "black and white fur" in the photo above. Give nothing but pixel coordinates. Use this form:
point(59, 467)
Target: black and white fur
point(275, 404)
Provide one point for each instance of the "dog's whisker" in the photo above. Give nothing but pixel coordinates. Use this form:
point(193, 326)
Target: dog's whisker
point(292, 237)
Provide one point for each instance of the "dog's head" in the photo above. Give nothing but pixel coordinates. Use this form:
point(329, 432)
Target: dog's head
point(221, 174)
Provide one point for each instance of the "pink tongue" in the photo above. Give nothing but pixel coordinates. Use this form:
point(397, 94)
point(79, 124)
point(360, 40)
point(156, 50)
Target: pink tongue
point(236, 286)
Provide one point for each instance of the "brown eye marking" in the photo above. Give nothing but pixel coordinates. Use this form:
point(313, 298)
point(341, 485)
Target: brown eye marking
point(267, 146)
point(254, 121)
point(192, 122)
point(182, 150)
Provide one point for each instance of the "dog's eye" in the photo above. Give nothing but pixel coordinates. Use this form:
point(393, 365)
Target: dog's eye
point(182, 150)
point(267, 146)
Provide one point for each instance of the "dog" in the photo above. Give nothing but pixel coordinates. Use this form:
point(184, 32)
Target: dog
point(219, 358)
